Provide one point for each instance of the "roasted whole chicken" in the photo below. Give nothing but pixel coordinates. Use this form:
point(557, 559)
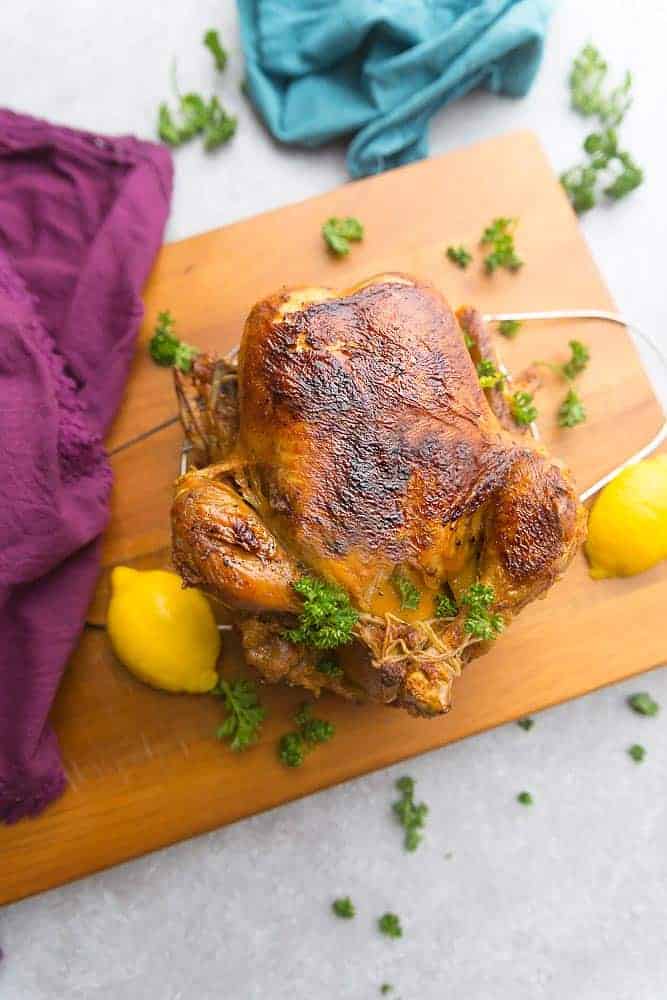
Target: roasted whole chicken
point(372, 516)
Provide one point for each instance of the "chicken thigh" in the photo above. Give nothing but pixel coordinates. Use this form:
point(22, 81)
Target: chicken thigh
point(353, 444)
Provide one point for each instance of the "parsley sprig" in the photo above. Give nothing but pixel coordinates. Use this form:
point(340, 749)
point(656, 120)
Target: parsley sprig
point(607, 163)
point(166, 349)
point(587, 78)
point(194, 115)
point(643, 704)
point(344, 908)
point(410, 815)
point(313, 731)
point(578, 361)
point(215, 47)
point(571, 411)
point(499, 235)
point(409, 594)
point(459, 256)
point(579, 183)
point(480, 622)
point(509, 328)
point(522, 407)
point(291, 749)
point(339, 233)
point(245, 714)
point(327, 619)
point(219, 126)
point(445, 606)
point(489, 376)
point(390, 925)
point(294, 746)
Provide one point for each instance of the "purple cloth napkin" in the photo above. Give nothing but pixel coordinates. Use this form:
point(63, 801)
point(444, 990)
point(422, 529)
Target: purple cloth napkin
point(81, 219)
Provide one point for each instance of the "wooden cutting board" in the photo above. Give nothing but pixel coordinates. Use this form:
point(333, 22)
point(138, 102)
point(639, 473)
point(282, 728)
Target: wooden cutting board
point(144, 768)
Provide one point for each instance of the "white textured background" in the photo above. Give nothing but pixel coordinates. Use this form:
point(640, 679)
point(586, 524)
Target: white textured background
point(567, 900)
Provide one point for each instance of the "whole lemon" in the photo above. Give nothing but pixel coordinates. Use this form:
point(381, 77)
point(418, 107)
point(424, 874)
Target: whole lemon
point(627, 527)
point(165, 635)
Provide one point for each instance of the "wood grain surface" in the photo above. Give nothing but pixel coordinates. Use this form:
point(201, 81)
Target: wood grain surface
point(144, 768)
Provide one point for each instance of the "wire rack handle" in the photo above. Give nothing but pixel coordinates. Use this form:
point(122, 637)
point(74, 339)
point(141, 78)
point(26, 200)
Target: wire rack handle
point(611, 317)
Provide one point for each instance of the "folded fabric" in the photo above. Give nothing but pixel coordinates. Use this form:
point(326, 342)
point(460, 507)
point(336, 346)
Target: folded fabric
point(81, 219)
point(379, 69)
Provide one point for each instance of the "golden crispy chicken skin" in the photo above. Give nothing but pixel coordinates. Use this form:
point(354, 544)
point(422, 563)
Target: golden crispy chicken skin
point(223, 546)
point(359, 444)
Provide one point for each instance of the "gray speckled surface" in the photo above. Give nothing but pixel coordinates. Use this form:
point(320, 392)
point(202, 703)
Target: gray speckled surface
point(567, 899)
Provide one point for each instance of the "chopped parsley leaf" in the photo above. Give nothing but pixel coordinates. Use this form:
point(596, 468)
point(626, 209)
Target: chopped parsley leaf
point(166, 349)
point(579, 358)
point(643, 704)
point(445, 606)
point(313, 731)
point(219, 126)
point(390, 925)
point(291, 749)
point(194, 117)
point(500, 236)
point(460, 256)
point(587, 77)
point(245, 714)
point(571, 411)
point(215, 47)
point(509, 327)
point(637, 752)
point(338, 233)
point(489, 376)
point(343, 907)
point(579, 185)
point(480, 622)
point(409, 594)
point(410, 816)
point(522, 407)
point(630, 177)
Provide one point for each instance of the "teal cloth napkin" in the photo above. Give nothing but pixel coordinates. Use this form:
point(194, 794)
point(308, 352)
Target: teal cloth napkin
point(379, 69)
